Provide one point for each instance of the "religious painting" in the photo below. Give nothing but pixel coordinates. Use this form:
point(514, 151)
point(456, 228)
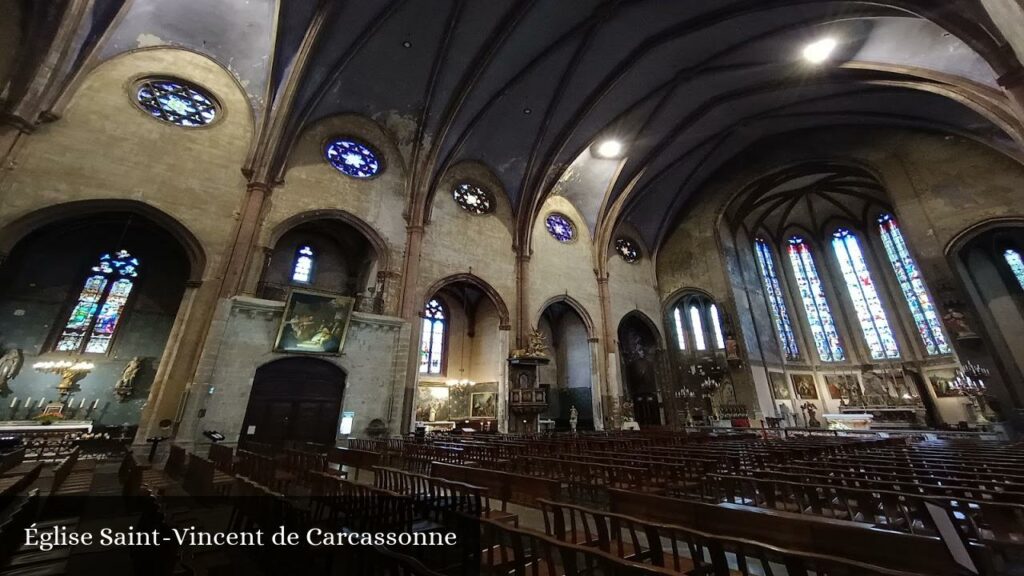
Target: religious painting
point(484, 405)
point(804, 386)
point(431, 403)
point(940, 380)
point(314, 323)
point(842, 386)
point(777, 381)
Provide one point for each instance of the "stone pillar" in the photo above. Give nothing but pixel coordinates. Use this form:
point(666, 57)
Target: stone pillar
point(522, 313)
point(244, 243)
point(598, 396)
point(179, 359)
point(410, 310)
point(504, 333)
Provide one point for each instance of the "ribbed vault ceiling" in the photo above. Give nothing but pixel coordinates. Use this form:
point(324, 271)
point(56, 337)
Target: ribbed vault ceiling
point(526, 86)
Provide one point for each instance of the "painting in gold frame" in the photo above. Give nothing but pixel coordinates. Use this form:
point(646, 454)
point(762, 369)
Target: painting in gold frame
point(314, 323)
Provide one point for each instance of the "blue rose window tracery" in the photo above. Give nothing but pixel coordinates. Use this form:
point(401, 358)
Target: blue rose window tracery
point(352, 158)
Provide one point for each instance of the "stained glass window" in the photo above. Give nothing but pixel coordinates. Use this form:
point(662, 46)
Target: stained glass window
point(1016, 264)
point(628, 249)
point(560, 227)
point(94, 319)
point(873, 323)
point(432, 338)
point(473, 199)
point(698, 328)
point(176, 102)
point(716, 325)
point(677, 316)
point(812, 294)
point(302, 268)
point(926, 317)
point(778, 303)
point(352, 158)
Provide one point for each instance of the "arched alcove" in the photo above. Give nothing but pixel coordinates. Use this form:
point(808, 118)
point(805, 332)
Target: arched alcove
point(640, 353)
point(463, 343)
point(569, 375)
point(102, 287)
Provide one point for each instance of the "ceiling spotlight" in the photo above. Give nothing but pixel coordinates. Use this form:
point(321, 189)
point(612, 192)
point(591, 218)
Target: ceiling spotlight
point(818, 52)
point(609, 149)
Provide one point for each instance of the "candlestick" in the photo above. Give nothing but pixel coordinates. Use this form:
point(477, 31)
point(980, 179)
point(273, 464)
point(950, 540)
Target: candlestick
point(95, 403)
point(42, 402)
point(14, 402)
point(82, 403)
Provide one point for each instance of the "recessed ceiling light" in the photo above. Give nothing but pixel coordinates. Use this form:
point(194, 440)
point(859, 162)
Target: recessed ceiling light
point(609, 149)
point(818, 52)
point(406, 44)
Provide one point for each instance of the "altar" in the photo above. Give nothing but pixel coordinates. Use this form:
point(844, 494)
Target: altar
point(18, 426)
point(848, 421)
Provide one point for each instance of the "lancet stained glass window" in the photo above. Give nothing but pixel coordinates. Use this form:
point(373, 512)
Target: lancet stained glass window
point(302, 268)
point(812, 294)
point(926, 317)
point(698, 328)
point(870, 313)
point(778, 303)
point(716, 325)
point(352, 158)
point(176, 102)
point(91, 325)
point(432, 338)
point(677, 317)
point(1013, 260)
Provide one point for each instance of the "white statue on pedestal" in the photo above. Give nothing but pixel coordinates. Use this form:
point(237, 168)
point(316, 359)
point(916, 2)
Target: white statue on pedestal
point(574, 417)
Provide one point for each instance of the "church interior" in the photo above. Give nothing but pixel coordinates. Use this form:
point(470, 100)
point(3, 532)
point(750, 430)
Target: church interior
point(595, 287)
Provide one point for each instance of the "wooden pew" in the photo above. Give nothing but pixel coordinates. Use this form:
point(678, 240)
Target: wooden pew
point(799, 533)
point(505, 486)
point(352, 458)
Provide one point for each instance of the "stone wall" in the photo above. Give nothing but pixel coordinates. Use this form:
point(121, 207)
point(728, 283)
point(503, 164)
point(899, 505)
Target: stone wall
point(242, 339)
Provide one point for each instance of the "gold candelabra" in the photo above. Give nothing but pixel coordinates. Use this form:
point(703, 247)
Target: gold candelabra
point(69, 371)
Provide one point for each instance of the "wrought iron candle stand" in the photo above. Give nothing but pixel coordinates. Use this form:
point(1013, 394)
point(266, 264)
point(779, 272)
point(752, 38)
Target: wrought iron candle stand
point(970, 382)
point(69, 372)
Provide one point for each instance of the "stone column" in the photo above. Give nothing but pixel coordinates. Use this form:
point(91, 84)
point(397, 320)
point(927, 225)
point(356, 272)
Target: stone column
point(504, 333)
point(522, 312)
point(597, 394)
point(244, 243)
point(410, 310)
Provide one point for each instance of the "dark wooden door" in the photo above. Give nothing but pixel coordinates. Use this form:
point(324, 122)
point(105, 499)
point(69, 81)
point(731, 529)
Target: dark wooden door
point(293, 401)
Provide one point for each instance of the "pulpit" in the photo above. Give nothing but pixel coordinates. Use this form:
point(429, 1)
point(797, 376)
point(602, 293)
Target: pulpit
point(527, 400)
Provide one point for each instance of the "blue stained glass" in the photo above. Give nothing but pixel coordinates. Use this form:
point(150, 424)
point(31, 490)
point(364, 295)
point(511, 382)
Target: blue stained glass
point(432, 338)
point(870, 313)
point(926, 317)
point(302, 269)
point(176, 102)
point(560, 227)
point(352, 158)
point(1016, 264)
point(812, 294)
point(778, 303)
point(101, 303)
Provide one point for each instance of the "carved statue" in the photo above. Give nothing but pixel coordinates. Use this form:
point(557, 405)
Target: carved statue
point(627, 411)
point(810, 409)
point(574, 417)
point(10, 365)
point(956, 323)
point(125, 386)
point(535, 348)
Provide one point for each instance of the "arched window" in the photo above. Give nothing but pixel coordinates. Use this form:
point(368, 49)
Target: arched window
point(812, 293)
point(861, 287)
point(677, 316)
point(1013, 260)
point(94, 319)
point(695, 320)
point(774, 290)
point(302, 268)
point(716, 324)
point(698, 328)
point(432, 339)
point(912, 284)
